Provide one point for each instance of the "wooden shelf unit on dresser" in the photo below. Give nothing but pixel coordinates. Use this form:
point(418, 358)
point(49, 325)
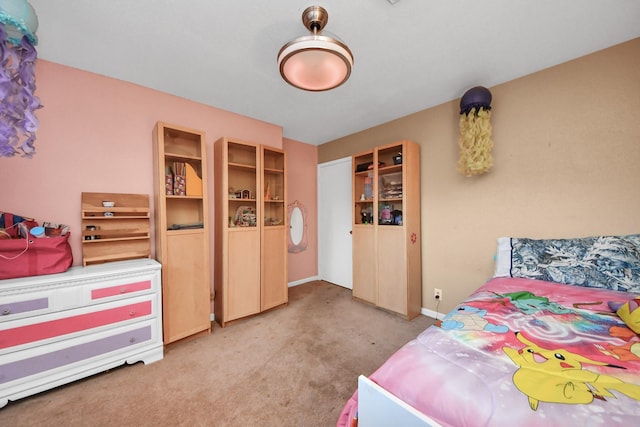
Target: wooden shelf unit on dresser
point(182, 230)
point(251, 229)
point(58, 328)
point(117, 232)
point(387, 268)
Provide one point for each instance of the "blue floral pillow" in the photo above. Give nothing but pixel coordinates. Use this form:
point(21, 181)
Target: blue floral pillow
point(611, 262)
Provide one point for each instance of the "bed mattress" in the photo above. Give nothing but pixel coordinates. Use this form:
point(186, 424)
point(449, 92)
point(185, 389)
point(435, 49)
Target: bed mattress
point(521, 352)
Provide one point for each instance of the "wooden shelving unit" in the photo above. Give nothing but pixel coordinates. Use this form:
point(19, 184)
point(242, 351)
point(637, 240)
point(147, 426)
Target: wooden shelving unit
point(182, 231)
point(115, 233)
point(386, 226)
point(250, 270)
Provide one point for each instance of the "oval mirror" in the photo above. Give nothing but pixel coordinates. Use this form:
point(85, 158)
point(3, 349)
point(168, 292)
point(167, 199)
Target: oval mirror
point(297, 226)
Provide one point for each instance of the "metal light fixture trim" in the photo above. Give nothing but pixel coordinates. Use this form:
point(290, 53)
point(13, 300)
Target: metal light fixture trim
point(315, 62)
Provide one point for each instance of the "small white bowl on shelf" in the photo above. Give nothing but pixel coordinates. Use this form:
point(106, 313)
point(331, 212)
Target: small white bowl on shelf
point(108, 204)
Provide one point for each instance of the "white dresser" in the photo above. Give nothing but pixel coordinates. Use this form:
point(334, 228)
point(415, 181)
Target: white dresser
point(58, 328)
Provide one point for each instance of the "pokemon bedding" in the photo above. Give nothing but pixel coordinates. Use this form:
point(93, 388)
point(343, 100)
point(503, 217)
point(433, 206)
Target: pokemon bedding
point(527, 352)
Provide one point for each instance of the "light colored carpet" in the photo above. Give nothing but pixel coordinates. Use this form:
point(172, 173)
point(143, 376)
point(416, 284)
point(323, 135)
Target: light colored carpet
point(293, 366)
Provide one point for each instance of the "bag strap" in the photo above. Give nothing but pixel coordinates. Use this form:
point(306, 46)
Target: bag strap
point(26, 248)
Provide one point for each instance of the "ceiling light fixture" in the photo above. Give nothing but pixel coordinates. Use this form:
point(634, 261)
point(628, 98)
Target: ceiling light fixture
point(315, 62)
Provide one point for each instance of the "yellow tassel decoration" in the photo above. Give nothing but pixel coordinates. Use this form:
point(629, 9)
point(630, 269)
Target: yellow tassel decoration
point(475, 142)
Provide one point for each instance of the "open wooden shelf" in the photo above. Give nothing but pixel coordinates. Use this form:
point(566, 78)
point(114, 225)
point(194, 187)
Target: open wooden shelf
point(115, 233)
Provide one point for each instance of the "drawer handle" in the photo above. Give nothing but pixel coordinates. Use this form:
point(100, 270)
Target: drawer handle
point(123, 290)
point(132, 313)
point(6, 311)
point(132, 340)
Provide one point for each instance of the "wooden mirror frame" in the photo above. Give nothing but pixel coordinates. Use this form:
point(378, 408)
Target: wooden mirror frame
point(297, 227)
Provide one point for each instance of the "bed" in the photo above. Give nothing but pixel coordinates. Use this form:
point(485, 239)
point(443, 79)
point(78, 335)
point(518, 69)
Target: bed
point(551, 339)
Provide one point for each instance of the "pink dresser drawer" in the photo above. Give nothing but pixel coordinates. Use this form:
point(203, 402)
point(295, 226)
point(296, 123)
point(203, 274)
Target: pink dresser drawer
point(125, 289)
point(67, 325)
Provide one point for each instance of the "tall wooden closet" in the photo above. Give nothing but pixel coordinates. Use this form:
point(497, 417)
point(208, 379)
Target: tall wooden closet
point(250, 268)
point(182, 230)
point(386, 228)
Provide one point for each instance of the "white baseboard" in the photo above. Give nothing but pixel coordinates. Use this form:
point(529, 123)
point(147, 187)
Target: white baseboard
point(431, 313)
point(302, 281)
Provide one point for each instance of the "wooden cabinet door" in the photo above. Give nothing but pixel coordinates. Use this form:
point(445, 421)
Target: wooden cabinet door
point(243, 287)
point(364, 265)
point(274, 267)
point(185, 286)
point(274, 227)
point(392, 269)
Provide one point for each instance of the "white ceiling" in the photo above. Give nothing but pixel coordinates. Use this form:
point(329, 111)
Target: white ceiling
point(409, 56)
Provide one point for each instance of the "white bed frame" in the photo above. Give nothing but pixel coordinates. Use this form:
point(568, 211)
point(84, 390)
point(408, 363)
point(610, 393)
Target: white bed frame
point(379, 408)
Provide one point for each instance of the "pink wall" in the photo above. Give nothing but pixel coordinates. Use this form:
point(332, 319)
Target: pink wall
point(95, 136)
point(302, 186)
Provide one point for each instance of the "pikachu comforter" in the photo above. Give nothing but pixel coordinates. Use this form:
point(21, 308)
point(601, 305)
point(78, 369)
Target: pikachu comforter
point(523, 352)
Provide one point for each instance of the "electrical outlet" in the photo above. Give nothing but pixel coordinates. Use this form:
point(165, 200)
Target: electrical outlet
point(437, 294)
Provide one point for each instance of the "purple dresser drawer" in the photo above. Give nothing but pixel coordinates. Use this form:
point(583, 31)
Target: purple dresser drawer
point(55, 359)
point(23, 306)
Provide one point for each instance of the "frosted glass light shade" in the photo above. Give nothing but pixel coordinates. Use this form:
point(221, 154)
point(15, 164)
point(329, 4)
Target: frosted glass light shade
point(315, 63)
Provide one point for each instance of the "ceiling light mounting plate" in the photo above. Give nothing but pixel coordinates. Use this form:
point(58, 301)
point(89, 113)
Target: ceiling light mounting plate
point(315, 18)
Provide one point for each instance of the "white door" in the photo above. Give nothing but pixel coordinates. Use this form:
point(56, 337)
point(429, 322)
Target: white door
point(334, 222)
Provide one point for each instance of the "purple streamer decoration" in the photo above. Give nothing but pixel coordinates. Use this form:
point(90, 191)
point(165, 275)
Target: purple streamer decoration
point(18, 103)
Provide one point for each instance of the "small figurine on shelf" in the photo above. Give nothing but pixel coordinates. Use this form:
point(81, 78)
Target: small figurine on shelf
point(397, 159)
point(367, 215)
point(385, 214)
point(397, 217)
